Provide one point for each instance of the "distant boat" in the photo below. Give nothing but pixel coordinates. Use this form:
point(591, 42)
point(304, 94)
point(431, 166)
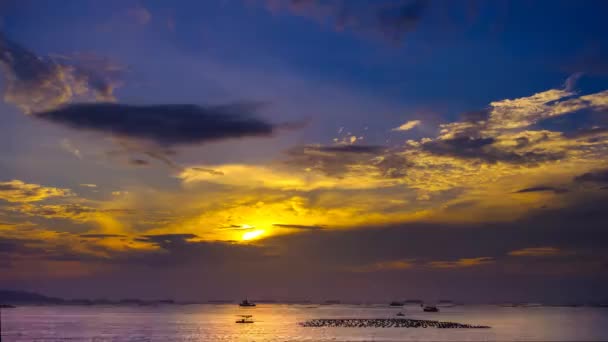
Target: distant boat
point(400, 313)
point(246, 303)
point(430, 308)
point(396, 303)
point(244, 319)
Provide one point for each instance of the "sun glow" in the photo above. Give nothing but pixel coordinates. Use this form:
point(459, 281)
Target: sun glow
point(254, 234)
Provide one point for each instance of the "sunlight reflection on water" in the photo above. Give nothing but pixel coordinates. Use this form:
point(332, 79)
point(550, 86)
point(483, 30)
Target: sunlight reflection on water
point(280, 323)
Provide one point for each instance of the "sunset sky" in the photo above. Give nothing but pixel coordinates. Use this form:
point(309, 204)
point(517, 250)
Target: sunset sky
point(305, 149)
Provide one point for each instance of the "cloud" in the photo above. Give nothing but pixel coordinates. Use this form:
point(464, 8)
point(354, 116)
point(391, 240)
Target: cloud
point(512, 114)
point(391, 20)
point(484, 149)
point(139, 162)
point(163, 124)
point(18, 191)
point(537, 251)
point(74, 212)
point(38, 83)
point(407, 126)
point(542, 188)
point(67, 145)
point(298, 226)
point(341, 160)
point(598, 176)
point(463, 262)
point(101, 236)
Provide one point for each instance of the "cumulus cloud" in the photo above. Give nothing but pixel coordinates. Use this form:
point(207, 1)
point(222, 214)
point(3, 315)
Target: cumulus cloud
point(512, 114)
point(391, 20)
point(37, 83)
point(407, 126)
point(19, 191)
point(163, 124)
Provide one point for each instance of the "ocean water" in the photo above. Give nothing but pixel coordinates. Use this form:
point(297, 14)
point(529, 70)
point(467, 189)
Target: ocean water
point(275, 322)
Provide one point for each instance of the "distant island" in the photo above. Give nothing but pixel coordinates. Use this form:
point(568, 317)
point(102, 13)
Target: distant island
point(10, 298)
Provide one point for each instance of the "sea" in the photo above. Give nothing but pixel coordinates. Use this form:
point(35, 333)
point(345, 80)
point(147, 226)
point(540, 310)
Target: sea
point(279, 322)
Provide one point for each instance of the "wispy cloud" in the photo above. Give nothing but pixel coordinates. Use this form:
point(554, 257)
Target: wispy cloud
point(462, 263)
point(537, 251)
point(407, 126)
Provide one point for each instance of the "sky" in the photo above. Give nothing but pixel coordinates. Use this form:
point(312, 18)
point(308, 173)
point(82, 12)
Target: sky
point(305, 149)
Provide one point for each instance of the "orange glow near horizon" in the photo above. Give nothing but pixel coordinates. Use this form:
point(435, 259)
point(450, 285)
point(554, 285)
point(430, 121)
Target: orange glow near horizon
point(252, 235)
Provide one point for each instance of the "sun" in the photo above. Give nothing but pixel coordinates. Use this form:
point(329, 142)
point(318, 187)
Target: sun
point(254, 234)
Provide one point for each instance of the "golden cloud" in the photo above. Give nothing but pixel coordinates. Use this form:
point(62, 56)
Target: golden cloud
point(462, 263)
point(19, 191)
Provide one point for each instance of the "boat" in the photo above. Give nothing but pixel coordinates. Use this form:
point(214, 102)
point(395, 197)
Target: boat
point(430, 308)
point(246, 303)
point(396, 303)
point(244, 319)
point(400, 314)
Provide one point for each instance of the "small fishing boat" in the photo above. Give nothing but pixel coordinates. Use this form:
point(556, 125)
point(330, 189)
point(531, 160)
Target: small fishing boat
point(244, 319)
point(400, 314)
point(246, 303)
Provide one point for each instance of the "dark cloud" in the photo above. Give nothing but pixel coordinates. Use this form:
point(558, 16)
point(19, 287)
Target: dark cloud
point(599, 176)
point(139, 162)
point(210, 171)
point(163, 124)
point(369, 149)
point(391, 20)
point(237, 227)
point(483, 149)
point(167, 239)
point(337, 160)
point(36, 83)
point(298, 226)
point(542, 188)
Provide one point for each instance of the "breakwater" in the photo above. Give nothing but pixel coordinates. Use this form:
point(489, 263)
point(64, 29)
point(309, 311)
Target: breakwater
point(386, 323)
